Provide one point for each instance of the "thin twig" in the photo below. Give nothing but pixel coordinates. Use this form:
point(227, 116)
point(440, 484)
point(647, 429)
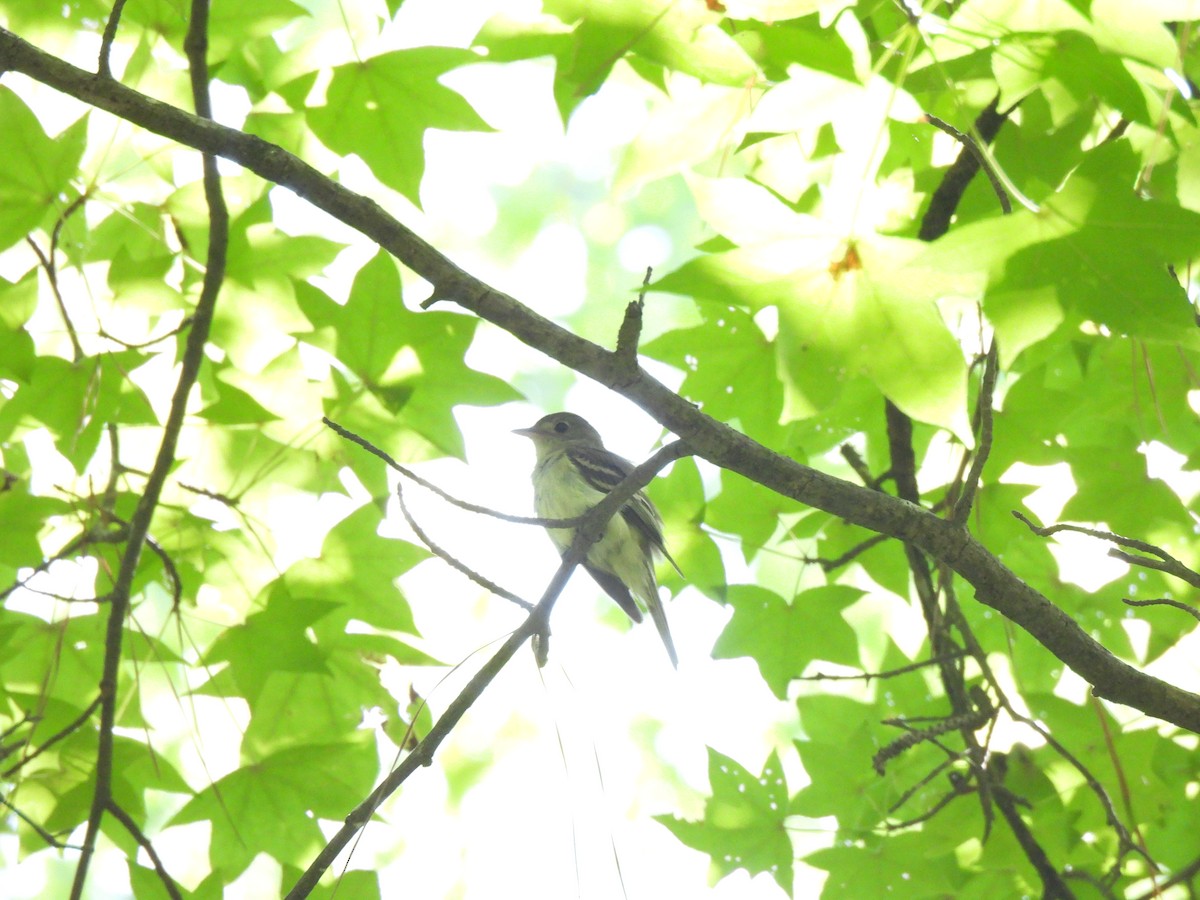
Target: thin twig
point(131, 826)
point(1186, 874)
point(887, 673)
point(830, 565)
point(71, 208)
point(92, 536)
point(47, 263)
point(984, 163)
point(451, 561)
point(987, 390)
point(231, 502)
point(677, 450)
point(1163, 601)
point(11, 729)
point(428, 485)
point(1128, 841)
point(1169, 564)
point(41, 832)
point(944, 202)
point(141, 345)
point(859, 465)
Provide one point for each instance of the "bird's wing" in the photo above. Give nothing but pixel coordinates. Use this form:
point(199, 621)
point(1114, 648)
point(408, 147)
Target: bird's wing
point(604, 470)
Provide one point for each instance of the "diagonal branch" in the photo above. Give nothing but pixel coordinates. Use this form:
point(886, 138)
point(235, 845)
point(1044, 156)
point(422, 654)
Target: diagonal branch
point(131, 826)
point(585, 535)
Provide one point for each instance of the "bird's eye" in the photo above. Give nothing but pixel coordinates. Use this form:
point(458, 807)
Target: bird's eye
point(561, 427)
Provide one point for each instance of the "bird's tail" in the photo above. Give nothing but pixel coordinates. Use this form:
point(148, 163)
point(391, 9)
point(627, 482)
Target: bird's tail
point(659, 615)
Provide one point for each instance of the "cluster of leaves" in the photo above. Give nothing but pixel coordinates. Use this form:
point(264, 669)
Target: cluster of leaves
point(797, 132)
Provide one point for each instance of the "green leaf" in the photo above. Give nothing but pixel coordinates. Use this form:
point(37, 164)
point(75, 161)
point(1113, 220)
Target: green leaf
point(1086, 71)
point(272, 805)
point(357, 570)
point(588, 39)
point(783, 638)
point(877, 318)
point(380, 109)
point(282, 627)
point(786, 34)
point(1102, 250)
point(35, 169)
point(743, 824)
point(236, 407)
point(837, 759)
point(334, 699)
point(730, 370)
point(23, 515)
point(413, 362)
point(17, 303)
point(680, 499)
point(747, 509)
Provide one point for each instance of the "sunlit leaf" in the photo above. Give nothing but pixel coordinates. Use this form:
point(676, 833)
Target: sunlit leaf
point(742, 826)
point(34, 168)
point(381, 107)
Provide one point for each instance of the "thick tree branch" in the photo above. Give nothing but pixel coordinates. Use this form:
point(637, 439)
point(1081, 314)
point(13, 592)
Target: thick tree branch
point(994, 584)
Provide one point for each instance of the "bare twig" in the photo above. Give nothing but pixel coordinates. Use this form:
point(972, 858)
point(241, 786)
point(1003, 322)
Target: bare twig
point(149, 342)
point(231, 502)
point(953, 185)
point(41, 832)
point(1182, 876)
point(47, 264)
point(131, 826)
point(859, 465)
point(93, 535)
point(1165, 562)
point(585, 535)
point(1127, 839)
point(1163, 601)
point(428, 485)
point(830, 565)
point(987, 390)
point(887, 673)
point(969, 142)
point(53, 739)
point(675, 449)
point(451, 561)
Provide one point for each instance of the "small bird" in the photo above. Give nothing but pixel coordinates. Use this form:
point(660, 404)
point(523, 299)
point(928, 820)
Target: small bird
point(572, 474)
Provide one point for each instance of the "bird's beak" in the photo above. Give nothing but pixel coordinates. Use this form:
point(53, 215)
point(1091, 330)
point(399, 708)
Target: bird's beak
point(525, 432)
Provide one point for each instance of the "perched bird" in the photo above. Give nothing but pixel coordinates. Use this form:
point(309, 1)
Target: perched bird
point(572, 474)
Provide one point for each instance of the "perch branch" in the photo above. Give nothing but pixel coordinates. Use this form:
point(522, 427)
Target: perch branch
point(585, 535)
